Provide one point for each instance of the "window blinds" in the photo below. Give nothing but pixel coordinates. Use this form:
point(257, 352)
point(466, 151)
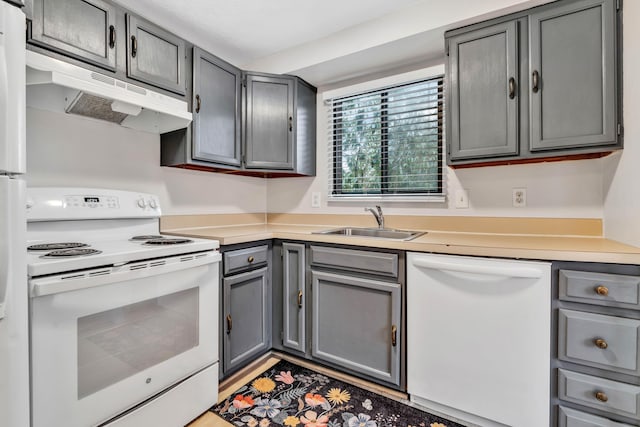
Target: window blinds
point(388, 141)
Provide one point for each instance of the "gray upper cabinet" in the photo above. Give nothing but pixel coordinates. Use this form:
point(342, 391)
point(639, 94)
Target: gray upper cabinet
point(573, 86)
point(155, 56)
point(246, 317)
point(269, 122)
point(293, 288)
point(82, 29)
point(535, 84)
point(217, 108)
point(483, 77)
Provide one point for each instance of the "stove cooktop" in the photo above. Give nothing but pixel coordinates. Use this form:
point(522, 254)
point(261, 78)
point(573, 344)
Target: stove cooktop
point(59, 257)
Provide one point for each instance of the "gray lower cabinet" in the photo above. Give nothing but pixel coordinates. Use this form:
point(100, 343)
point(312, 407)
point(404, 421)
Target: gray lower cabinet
point(539, 83)
point(217, 109)
point(596, 364)
point(356, 324)
point(293, 296)
point(82, 29)
point(245, 325)
point(155, 56)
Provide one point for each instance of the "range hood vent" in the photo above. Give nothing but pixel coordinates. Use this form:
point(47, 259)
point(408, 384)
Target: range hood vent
point(59, 86)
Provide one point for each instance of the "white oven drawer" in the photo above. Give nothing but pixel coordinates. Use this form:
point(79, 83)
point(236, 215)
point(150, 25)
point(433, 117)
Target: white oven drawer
point(98, 350)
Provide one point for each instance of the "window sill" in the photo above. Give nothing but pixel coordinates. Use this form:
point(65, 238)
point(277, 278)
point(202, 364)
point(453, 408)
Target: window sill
point(388, 199)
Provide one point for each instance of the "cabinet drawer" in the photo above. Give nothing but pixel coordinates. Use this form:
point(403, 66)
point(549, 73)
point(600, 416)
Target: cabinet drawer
point(381, 263)
point(613, 290)
point(606, 342)
point(599, 393)
point(571, 418)
point(244, 259)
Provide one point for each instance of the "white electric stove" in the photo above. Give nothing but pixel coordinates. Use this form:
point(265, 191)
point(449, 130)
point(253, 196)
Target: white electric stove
point(123, 320)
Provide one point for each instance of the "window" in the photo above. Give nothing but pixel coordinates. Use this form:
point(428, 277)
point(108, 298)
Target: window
point(388, 142)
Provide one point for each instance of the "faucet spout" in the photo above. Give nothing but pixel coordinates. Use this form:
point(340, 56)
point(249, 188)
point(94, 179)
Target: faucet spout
point(378, 215)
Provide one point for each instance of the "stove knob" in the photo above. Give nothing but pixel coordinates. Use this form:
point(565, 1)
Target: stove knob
point(142, 203)
point(153, 204)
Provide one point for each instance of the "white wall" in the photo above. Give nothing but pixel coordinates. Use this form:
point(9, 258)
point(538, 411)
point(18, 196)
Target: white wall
point(67, 150)
point(622, 172)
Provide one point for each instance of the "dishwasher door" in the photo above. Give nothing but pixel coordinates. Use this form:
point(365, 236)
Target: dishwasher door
point(478, 338)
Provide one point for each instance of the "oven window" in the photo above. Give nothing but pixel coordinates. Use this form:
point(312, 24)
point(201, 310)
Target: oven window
point(118, 343)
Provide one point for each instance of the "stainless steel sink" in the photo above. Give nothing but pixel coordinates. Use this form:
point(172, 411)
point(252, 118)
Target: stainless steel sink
point(379, 233)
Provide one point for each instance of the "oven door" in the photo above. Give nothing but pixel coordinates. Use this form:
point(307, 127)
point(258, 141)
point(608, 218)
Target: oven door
point(104, 340)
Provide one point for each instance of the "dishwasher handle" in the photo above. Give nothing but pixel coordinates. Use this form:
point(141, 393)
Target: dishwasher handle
point(522, 272)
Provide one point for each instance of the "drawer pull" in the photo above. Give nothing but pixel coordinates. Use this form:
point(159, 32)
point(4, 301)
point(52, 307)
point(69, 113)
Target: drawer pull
point(602, 397)
point(299, 299)
point(602, 290)
point(229, 323)
point(394, 333)
point(250, 259)
point(600, 343)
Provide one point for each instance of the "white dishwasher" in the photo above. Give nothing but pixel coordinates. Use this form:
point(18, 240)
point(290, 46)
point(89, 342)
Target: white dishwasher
point(478, 338)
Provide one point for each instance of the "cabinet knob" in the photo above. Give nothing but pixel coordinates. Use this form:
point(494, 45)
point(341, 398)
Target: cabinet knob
point(250, 259)
point(600, 343)
point(601, 396)
point(299, 299)
point(602, 290)
point(394, 335)
point(229, 323)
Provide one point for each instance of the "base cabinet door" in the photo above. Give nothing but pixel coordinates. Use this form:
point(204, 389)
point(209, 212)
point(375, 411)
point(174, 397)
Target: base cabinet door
point(83, 29)
point(246, 317)
point(356, 324)
point(293, 304)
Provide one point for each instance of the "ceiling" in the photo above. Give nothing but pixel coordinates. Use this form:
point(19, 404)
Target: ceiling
point(323, 41)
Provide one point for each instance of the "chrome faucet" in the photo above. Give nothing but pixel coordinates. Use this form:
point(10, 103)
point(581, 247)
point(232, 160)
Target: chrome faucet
point(377, 213)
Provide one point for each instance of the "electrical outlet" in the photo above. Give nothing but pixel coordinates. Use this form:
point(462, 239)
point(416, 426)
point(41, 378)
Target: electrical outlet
point(462, 199)
point(315, 199)
point(519, 198)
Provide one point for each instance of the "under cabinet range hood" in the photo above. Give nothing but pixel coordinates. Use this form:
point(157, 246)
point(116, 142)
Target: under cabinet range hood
point(59, 86)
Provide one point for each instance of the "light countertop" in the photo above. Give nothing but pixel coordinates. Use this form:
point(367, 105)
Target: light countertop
point(543, 247)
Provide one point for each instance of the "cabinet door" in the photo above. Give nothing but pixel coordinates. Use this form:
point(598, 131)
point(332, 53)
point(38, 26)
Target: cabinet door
point(217, 110)
point(269, 122)
point(155, 56)
point(293, 304)
point(483, 93)
point(246, 317)
point(573, 63)
point(83, 29)
point(356, 324)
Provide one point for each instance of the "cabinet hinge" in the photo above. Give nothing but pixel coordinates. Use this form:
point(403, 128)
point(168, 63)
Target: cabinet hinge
point(281, 335)
point(244, 159)
point(617, 4)
point(620, 129)
point(244, 82)
point(281, 253)
point(446, 48)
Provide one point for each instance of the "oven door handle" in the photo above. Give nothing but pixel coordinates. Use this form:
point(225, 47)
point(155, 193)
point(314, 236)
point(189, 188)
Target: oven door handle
point(134, 270)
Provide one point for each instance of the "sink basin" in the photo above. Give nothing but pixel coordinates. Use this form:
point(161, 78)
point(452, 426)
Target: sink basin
point(379, 233)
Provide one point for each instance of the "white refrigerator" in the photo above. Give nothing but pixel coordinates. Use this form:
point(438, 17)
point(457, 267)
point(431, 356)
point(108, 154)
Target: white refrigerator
point(14, 331)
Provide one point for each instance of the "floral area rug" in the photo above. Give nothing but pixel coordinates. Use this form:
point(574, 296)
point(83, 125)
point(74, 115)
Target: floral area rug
point(291, 396)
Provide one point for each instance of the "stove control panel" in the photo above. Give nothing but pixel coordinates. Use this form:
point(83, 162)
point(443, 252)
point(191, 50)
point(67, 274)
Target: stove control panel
point(51, 203)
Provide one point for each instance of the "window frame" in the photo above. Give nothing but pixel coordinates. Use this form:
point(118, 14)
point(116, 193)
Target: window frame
point(335, 191)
